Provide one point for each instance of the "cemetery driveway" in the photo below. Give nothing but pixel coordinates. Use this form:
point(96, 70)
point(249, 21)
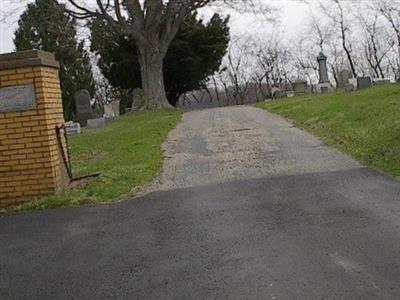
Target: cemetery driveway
point(248, 207)
point(242, 142)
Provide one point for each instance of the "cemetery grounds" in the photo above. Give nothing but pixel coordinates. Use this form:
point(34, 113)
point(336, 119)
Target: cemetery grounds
point(128, 152)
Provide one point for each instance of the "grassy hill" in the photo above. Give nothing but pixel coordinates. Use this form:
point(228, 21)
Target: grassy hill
point(364, 124)
point(127, 153)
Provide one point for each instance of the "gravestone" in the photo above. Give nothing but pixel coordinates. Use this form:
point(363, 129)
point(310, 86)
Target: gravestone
point(323, 69)
point(96, 123)
point(115, 107)
point(379, 81)
point(138, 100)
point(290, 94)
point(83, 108)
point(72, 128)
point(324, 88)
point(364, 83)
point(276, 93)
point(349, 87)
point(324, 85)
point(353, 81)
point(97, 111)
point(300, 87)
point(343, 78)
point(109, 111)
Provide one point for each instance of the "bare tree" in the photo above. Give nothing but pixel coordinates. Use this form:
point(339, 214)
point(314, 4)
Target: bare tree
point(272, 66)
point(391, 11)
point(336, 14)
point(376, 44)
point(235, 76)
point(304, 61)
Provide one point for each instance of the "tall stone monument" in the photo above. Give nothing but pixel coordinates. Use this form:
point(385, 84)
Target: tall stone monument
point(324, 85)
point(323, 69)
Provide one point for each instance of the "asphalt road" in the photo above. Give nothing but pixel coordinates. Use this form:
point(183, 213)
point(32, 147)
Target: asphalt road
point(328, 231)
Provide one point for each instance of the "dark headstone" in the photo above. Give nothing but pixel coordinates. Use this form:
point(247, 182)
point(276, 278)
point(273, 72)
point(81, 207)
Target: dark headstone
point(83, 108)
point(364, 83)
point(343, 78)
point(138, 99)
point(300, 87)
point(98, 111)
point(17, 98)
point(349, 87)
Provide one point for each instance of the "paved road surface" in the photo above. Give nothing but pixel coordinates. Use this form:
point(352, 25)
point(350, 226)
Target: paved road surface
point(289, 219)
point(225, 144)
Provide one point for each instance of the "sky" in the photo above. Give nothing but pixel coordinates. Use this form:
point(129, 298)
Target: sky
point(293, 18)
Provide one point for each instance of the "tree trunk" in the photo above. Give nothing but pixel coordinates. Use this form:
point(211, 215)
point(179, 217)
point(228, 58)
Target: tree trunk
point(151, 67)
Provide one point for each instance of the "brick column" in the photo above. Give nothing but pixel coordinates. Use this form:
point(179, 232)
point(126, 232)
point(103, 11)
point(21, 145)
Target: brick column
point(31, 159)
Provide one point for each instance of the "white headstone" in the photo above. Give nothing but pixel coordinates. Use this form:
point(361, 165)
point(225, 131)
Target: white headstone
point(108, 111)
point(96, 123)
point(115, 107)
point(72, 128)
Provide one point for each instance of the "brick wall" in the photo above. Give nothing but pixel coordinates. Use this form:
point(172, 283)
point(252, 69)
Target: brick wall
point(31, 161)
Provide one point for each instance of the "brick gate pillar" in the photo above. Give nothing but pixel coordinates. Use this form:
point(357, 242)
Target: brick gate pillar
point(32, 154)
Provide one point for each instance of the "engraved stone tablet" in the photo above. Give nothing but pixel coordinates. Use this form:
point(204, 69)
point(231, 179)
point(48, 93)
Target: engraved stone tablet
point(17, 98)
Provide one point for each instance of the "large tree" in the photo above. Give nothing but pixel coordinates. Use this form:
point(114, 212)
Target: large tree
point(153, 24)
point(195, 54)
point(45, 25)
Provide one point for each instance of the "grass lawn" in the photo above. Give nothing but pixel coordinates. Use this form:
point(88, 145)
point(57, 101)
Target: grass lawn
point(127, 153)
point(364, 124)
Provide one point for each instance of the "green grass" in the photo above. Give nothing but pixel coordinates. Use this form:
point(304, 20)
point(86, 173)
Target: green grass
point(363, 124)
point(127, 153)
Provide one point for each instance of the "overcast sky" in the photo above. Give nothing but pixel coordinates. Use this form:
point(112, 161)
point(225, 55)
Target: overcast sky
point(293, 17)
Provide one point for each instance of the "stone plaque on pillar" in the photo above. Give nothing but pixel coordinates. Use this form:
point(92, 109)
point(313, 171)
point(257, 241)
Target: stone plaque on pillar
point(17, 98)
